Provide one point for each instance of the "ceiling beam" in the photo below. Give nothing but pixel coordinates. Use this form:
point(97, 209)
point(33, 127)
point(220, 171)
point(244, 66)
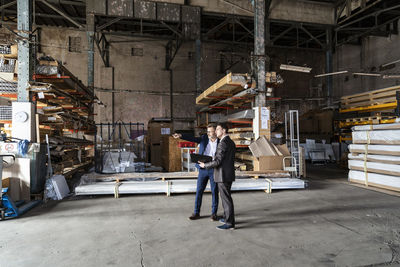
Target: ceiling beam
point(63, 14)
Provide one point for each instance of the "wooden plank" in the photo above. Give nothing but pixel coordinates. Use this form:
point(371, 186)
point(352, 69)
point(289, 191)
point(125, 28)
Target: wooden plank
point(395, 88)
point(371, 102)
point(225, 87)
point(244, 129)
point(386, 106)
point(370, 97)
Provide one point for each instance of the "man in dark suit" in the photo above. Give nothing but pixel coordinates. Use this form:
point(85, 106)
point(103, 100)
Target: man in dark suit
point(224, 174)
point(208, 145)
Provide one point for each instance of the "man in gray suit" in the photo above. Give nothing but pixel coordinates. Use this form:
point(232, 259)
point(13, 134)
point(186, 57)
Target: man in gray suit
point(224, 174)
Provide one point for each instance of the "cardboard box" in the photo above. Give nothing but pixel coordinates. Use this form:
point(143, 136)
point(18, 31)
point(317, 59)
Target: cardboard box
point(19, 179)
point(265, 163)
point(268, 156)
point(158, 129)
point(262, 147)
point(155, 154)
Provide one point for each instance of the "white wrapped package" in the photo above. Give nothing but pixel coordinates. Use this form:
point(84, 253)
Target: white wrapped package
point(376, 158)
point(374, 179)
point(376, 127)
point(375, 167)
point(375, 149)
point(385, 137)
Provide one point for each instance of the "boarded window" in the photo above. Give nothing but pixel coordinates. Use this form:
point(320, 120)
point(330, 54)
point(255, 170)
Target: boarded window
point(137, 52)
point(74, 44)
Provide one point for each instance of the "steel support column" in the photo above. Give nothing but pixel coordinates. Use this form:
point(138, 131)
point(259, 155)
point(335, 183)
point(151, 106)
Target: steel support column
point(259, 50)
point(25, 61)
point(90, 30)
point(198, 65)
point(329, 65)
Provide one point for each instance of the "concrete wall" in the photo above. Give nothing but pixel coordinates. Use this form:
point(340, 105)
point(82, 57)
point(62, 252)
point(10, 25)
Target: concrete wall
point(373, 52)
point(147, 74)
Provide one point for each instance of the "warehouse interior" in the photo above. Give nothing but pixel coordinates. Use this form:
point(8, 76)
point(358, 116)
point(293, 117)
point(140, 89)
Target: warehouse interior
point(97, 98)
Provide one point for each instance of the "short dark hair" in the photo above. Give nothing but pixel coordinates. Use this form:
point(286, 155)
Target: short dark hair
point(211, 125)
point(223, 125)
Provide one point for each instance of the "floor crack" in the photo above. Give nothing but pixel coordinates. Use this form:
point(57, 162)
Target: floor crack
point(141, 254)
point(141, 250)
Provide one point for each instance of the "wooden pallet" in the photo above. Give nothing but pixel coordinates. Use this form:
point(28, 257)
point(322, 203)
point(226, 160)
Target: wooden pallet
point(367, 120)
point(375, 97)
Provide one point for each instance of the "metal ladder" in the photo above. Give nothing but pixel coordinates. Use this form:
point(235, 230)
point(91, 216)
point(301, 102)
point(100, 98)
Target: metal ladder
point(293, 139)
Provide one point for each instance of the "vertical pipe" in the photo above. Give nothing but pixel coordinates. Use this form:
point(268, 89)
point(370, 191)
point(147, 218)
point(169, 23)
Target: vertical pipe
point(90, 29)
point(112, 96)
point(198, 65)
point(329, 65)
point(171, 97)
point(101, 136)
point(24, 10)
point(259, 50)
point(267, 42)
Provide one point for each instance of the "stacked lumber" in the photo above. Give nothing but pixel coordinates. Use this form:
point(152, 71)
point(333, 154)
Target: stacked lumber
point(64, 112)
point(226, 87)
point(69, 154)
point(242, 137)
point(370, 98)
point(375, 156)
point(63, 102)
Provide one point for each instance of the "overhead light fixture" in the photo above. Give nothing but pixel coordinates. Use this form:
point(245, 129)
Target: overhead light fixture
point(295, 68)
point(367, 74)
point(391, 76)
point(331, 73)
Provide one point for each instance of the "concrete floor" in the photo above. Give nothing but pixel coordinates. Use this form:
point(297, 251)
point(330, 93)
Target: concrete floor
point(329, 224)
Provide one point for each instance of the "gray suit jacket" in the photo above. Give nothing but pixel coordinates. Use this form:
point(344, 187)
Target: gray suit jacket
point(224, 161)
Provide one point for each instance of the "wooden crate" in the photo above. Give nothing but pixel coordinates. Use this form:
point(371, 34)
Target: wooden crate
point(171, 154)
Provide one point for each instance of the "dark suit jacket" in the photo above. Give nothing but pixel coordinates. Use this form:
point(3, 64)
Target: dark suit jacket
point(203, 141)
point(224, 162)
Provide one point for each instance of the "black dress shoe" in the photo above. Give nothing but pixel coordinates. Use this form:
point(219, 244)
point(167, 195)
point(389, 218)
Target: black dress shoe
point(194, 216)
point(214, 217)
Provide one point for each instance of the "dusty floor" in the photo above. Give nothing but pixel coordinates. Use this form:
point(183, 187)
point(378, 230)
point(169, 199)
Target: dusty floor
point(329, 224)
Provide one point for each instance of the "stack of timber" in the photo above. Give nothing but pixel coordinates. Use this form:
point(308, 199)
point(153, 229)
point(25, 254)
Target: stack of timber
point(229, 100)
point(371, 100)
point(375, 156)
point(368, 108)
point(235, 90)
point(68, 155)
point(225, 88)
point(63, 103)
point(65, 113)
point(242, 137)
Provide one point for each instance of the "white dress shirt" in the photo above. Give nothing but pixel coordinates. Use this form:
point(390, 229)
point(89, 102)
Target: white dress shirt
point(211, 148)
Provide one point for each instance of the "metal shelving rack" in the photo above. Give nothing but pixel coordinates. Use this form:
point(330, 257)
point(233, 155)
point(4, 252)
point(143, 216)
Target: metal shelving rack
point(293, 139)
